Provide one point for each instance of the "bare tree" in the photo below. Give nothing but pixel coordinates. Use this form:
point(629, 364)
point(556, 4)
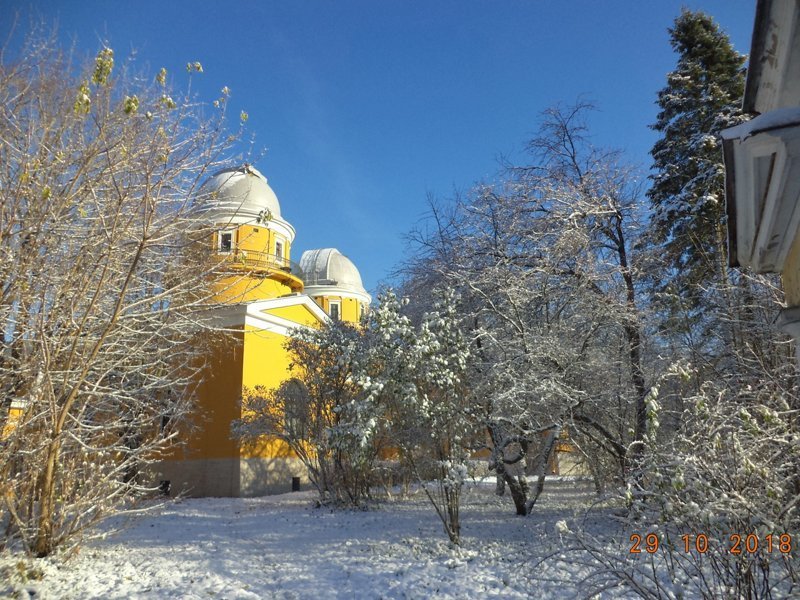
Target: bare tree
point(104, 274)
point(544, 263)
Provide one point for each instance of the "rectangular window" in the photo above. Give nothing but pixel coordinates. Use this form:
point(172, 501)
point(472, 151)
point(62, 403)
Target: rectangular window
point(278, 250)
point(335, 310)
point(225, 241)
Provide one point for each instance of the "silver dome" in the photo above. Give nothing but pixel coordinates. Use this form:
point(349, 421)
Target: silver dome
point(238, 195)
point(326, 270)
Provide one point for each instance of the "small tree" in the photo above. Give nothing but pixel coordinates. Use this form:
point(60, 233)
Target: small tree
point(103, 277)
point(420, 375)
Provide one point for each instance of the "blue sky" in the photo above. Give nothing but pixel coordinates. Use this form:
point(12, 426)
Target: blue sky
point(363, 108)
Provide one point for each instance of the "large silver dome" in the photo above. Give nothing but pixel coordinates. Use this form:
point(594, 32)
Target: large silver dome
point(238, 195)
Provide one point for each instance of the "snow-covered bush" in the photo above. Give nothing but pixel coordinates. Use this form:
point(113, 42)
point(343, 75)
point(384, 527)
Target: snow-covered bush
point(322, 414)
point(419, 374)
point(715, 511)
point(729, 481)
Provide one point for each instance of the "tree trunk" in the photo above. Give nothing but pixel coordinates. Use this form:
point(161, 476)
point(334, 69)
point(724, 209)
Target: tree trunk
point(518, 486)
point(44, 529)
point(633, 336)
point(544, 459)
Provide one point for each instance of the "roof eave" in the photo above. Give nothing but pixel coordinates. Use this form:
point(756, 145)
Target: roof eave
point(758, 45)
point(730, 201)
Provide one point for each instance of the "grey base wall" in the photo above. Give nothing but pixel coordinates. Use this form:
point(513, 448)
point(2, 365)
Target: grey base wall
point(231, 477)
point(264, 476)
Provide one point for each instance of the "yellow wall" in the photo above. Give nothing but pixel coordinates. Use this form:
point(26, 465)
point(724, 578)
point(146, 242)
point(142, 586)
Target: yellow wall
point(242, 287)
point(256, 239)
point(217, 400)
point(266, 363)
point(791, 274)
point(14, 415)
point(237, 364)
point(248, 283)
point(260, 239)
point(245, 360)
point(350, 307)
point(298, 314)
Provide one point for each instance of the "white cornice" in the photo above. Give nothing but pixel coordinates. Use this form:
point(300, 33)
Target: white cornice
point(256, 315)
point(333, 290)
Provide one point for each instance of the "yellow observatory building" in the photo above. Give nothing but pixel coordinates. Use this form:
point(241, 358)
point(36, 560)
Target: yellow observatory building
point(266, 295)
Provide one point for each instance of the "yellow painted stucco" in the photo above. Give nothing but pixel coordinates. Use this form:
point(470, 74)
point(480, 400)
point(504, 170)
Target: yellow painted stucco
point(266, 365)
point(351, 308)
point(217, 400)
point(266, 362)
point(791, 274)
point(242, 287)
point(256, 271)
point(297, 314)
point(13, 417)
point(256, 239)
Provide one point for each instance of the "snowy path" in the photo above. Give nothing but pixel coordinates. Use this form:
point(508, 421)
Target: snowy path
point(282, 547)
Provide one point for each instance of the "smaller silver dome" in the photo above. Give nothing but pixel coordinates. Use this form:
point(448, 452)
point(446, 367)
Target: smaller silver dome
point(328, 271)
point(238, 195)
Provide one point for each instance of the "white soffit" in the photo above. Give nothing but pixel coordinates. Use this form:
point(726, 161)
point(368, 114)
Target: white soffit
point(766, 168)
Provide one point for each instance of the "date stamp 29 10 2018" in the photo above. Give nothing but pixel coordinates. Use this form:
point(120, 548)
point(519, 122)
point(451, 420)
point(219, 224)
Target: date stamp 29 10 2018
point(738, 543)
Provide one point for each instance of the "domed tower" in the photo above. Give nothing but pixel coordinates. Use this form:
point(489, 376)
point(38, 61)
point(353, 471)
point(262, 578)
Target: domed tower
point(252, 233)
point(261, 308)
point(334, 283)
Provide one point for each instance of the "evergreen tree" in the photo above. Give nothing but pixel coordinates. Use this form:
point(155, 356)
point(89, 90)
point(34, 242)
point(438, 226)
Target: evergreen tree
point(702, 96)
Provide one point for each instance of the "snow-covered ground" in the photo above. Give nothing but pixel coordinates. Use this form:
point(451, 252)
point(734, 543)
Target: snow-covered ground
point(283, 547)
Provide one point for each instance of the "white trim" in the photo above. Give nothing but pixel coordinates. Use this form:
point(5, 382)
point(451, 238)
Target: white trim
point(226, 231)
point(254, 314)
point(266, 324)
point(765, 231)
point(281, 226)
point(334, 290)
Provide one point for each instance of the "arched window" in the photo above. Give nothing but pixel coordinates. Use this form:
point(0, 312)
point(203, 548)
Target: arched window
point(295, 408)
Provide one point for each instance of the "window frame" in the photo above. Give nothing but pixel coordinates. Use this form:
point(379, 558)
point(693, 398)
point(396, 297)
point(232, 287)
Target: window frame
point(222, 233)
point(338, 305)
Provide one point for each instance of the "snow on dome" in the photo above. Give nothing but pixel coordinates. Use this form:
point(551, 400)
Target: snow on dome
point(329, 268)
point(238, 195)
